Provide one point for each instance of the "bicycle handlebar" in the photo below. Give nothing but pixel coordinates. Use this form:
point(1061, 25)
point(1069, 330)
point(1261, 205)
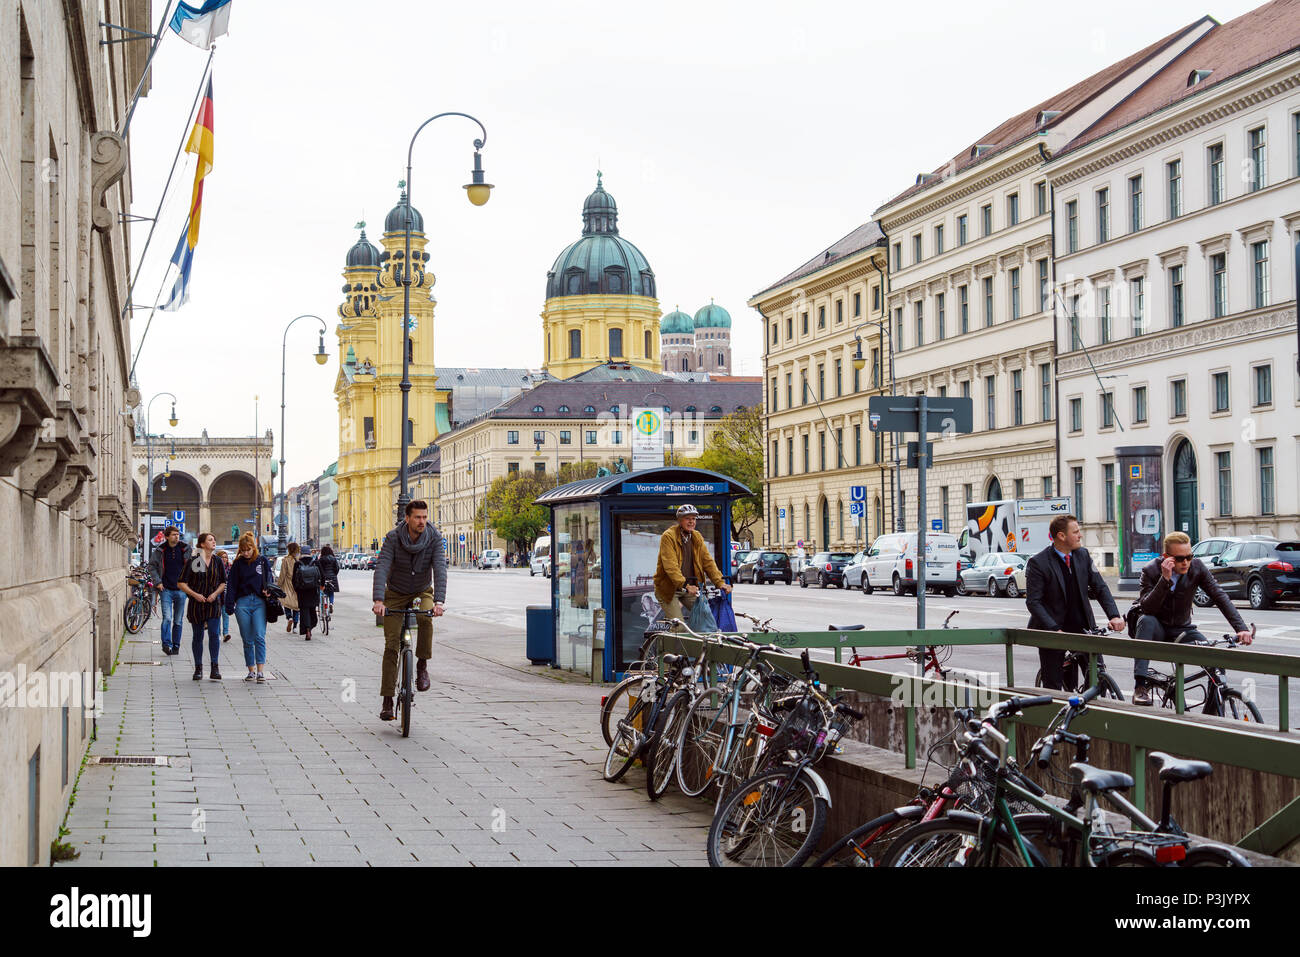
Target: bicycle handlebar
point(405, 611)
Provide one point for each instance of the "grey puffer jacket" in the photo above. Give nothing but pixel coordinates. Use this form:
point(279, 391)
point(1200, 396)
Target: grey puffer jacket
point(408, 567)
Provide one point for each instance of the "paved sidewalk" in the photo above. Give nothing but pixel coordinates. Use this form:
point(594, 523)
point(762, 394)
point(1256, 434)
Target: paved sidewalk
point(502, 766)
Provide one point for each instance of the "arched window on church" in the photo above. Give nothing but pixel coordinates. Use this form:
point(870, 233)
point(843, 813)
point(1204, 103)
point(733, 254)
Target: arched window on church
point(720, 359)
point(410, 349)
point(686, 364)
point(575, 343)
point(648, 352)
point(615, 343)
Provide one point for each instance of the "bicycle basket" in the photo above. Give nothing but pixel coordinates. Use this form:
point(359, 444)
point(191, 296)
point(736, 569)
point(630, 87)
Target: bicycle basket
point(800, 728)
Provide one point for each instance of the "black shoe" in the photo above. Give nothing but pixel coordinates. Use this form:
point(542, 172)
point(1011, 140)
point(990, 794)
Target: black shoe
point(307, 635)
point(216, 674)
point(386, 711)
point(422, 674)
point(198, 673)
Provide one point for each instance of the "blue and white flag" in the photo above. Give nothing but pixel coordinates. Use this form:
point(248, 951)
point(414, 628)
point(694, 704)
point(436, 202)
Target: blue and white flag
point(182, 259)
point(202, 25)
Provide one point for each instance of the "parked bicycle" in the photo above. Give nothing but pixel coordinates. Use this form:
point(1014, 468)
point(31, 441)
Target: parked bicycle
point(934, 657)
point(634, 732)
point(1209, 688)
point(141, 601)
point(326, 612)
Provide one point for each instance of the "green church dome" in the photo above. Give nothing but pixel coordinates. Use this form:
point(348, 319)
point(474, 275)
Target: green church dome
point(677, 323)
point(601, 261)
point(712, 317)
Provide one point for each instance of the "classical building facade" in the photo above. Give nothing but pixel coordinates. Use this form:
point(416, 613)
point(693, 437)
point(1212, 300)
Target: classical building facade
point(556, 423)
point(1177, 219)
point(600, 298)
point(219, 483)
point(370, 373)
point(65, 425)
point(970, 272)
point(817, 440)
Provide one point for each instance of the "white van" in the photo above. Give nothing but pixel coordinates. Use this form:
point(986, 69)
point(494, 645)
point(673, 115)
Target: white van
point(539, 559)
point(890, 562)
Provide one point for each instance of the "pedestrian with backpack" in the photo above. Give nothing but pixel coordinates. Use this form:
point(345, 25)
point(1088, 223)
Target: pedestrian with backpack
point(247, 589)
point(285, 581)
point(306, 585)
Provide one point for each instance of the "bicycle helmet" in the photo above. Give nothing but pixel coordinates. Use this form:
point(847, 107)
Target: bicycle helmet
point(685, 510)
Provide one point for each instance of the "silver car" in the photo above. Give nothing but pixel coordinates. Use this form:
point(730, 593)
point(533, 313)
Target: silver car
point(997, 573)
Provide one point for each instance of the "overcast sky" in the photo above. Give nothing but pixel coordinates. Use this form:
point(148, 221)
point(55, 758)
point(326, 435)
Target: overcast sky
point(738, 140)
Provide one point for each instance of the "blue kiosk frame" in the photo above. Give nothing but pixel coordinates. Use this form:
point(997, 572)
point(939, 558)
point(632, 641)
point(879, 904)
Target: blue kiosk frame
point(605, 533)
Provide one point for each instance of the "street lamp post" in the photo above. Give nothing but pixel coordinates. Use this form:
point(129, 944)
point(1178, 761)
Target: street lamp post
point(321, 358)
point(537, 449)
point(859, 362)
point(478, 191)
point(148, 443)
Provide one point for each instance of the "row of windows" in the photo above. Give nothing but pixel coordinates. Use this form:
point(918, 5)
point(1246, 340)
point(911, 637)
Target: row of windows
point(614, 342)
point(1264, 481)
point(1254, 176)
point(590, 436)
point(962, 226)
point(1021, 384)
point(1219, 397)
point(1098, 304)
point(869, 377)
point(830, 449)
point(947, 319)
point(804, 327)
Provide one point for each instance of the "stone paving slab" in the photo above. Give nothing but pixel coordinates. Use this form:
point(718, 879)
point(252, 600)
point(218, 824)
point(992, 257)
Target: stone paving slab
point(502, 767)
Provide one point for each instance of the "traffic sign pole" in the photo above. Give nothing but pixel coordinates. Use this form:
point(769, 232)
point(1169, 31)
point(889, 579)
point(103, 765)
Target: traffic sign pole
point(923, 461)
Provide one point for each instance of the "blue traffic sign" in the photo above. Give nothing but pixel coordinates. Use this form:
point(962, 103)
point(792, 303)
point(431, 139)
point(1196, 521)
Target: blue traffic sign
point(857, 493)
point(936, 524)
point(857, 508)
point(178, 516)
point(462, 538)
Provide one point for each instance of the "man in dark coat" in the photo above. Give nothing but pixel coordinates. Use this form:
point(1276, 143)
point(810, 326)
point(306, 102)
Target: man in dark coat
point(1165, 601)
point(1059, 583)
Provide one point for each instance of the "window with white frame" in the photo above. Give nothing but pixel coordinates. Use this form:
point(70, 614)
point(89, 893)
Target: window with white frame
point(1103, 214)
point(1139, 403)
point(1263, 376)
point(1177, 302)
point(1259, 262)
point(1215, 173)
point(1220, 396)
point(1267, 499)
point(1174, 184)
point(1258, 171)
point(1219, 284)
point(1072, 225)
point(1138, 304)
point(1135, 203)
point(1223, 469)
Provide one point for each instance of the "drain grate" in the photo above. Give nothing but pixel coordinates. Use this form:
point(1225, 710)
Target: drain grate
point(120, 760)
point(152, 663)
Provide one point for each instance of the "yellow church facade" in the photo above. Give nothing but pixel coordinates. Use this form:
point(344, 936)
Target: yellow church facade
point(368, 386)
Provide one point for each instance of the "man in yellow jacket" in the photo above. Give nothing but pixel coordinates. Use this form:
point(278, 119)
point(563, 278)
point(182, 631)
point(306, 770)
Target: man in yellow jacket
point(683, 560)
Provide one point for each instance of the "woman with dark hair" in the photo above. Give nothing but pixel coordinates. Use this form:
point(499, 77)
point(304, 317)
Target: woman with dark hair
point(225, 618)
point(204, 580)
point(306, 585)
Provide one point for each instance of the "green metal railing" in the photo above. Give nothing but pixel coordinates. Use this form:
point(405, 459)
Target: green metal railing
point(1235, 744)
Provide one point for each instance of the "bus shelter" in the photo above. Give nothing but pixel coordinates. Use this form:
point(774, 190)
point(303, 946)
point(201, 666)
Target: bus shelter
point(604, 548)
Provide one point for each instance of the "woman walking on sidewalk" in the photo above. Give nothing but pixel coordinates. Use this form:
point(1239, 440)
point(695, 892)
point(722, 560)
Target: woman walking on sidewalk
point(204, 580)
point(285, 581)
point(306, 586)
point(246, 594)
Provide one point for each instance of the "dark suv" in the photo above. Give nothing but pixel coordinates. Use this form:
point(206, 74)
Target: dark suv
point(1260, 572)
point(762, 567)
point(826, 568)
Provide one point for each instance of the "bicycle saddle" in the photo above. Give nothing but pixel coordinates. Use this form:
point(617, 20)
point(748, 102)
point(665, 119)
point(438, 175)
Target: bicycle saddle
point(1097, 780)
point(845, 627)
point(1178, 769)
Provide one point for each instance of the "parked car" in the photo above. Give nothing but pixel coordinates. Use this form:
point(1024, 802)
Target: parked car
point(1261, 572)
point(997, 573)
point(491, 558)
point(765, 566)
point(739, 558)
point(1207, 548)
point(855, 569)
point(963, 563)
point(826, 568)
point(891, 562)
point(539, 559)
point(368, 562)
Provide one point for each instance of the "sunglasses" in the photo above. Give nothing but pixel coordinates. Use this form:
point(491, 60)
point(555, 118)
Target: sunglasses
point(1181, 558)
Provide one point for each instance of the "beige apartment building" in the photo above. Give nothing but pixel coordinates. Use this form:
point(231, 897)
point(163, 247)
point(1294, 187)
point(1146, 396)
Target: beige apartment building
point(817, 443)
point(65, 403)
point(559, 422)
point(970, 292)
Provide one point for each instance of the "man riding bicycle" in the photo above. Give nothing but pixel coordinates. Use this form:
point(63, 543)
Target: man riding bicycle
point(411, 559)
point(684, 560)
point(1165, 602)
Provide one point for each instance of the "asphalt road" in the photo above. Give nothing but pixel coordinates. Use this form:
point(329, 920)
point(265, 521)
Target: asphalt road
point(500, 596)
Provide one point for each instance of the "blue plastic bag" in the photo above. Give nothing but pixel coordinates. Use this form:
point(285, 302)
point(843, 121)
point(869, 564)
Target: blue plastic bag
point(702, 621)
point(723, 613)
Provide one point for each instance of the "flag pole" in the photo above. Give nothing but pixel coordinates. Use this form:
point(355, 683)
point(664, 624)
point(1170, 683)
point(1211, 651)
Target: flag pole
point(153, 48)
point(180, 150)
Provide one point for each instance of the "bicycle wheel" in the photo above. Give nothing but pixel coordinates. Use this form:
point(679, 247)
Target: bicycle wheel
point(133, 615)
point(407, 691)
point(770, 820)
point(661, 756)
point(628, 741)
point(1235, 706)
point(1214, 855)
point(619, 701)
point(955, 842)
point(701, 737)
point(324, 618)
point(867, 844)
point(1109, 689)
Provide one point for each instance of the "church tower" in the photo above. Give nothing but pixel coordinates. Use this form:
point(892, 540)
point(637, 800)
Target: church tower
point(600, 298)
point(368, 386)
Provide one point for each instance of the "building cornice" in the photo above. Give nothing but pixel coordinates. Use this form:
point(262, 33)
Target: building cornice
point(926, 205)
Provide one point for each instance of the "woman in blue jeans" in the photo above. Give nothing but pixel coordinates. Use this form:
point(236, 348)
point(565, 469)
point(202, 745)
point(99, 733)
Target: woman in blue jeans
point(246, 593)
point(204, 580)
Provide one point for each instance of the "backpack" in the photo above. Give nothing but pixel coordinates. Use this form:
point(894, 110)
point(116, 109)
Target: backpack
point(309, 575)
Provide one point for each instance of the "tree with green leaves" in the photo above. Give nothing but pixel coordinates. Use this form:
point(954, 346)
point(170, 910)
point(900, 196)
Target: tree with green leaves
point(508, 507)
point(735, 449)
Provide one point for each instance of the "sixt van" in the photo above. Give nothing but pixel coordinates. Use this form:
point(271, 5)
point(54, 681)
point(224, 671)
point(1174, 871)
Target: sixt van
point(1009, 525)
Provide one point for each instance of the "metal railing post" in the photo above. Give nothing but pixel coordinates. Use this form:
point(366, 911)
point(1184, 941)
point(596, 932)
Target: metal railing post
point(1283, 704)
point(1180, 703)
point(1140, 776)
